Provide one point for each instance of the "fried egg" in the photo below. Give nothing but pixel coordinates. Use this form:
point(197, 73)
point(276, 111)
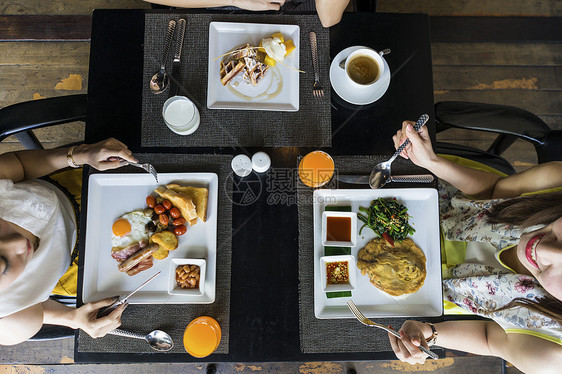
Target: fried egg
point(128, 229)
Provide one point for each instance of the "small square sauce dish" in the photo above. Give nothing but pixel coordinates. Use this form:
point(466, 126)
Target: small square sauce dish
point(339, 229)
point(337, 273)
point(189, 272)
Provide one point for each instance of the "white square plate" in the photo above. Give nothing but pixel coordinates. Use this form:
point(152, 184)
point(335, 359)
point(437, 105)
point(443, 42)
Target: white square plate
point(423, 208)
point(111, 195)
point(226, 36)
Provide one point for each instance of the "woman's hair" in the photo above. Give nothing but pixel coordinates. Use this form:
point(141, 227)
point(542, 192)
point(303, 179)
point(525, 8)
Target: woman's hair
point(527, 211)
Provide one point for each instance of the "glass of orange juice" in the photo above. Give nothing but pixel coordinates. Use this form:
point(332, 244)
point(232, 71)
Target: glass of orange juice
point(202, 336)
point(316, 169)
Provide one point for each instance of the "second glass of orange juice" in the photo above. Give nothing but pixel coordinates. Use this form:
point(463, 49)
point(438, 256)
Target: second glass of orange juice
point(202, 336)
point(316, 169)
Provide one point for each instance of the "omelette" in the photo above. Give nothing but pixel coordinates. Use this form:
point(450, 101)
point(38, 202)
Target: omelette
point(395, 270)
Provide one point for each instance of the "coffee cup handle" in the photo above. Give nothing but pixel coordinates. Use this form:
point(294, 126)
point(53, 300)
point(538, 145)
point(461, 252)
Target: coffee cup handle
point(384, 52)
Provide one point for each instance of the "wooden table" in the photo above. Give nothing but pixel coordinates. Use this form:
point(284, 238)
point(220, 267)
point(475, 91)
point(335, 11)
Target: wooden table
point(264, 323)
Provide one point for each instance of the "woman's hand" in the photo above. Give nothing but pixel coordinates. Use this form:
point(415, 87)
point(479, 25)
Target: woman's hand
point(98, 155)
point(86, 319)
point(419, 150)
point(259, 4)
point(413, 335)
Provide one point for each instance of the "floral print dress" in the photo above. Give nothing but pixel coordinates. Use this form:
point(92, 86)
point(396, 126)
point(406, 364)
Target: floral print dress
point(482, 288)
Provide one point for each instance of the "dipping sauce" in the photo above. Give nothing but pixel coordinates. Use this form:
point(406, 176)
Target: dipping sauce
point(338, 229)
point(337, 272)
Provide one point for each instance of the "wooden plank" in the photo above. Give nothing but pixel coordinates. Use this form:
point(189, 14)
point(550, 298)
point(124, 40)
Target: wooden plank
point(68, 53)
point(34, 77)
point(496, 29)
point(497, 78)
point(506, 54)
point(537, 102)
point(51, 28)
point(537, 8)
point(67, 7)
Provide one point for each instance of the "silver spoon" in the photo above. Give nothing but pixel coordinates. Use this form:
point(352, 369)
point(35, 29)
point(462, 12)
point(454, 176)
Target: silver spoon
point(380, 175)
point(158, 340)
point(382, 53)
point(160, 80)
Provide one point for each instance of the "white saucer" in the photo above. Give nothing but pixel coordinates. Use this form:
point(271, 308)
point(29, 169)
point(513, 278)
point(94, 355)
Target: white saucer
point(354, 95)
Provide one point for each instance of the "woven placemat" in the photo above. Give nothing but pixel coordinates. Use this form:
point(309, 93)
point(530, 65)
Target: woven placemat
point(173, 319)
point(339, 335)
point(309, 126)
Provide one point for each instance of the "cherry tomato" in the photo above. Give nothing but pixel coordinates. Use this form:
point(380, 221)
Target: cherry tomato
point(150, 201)
point(164, 219)
point(175, 212)
point(178, 221)
point(167, 204)
point(159, 209)
point(180, 230)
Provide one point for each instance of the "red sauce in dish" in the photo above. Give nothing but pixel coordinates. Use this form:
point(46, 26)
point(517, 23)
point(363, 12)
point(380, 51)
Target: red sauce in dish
point(337, 272)
point(338, 229)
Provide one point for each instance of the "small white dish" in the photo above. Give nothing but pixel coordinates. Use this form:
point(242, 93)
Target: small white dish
point(181, 115)
point(352, 93)
point(353, 237)
point(324, 261)
point(174, 289)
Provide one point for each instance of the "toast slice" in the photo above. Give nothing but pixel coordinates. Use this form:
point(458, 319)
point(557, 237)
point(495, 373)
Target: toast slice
point(199, 196)
point(180, 200)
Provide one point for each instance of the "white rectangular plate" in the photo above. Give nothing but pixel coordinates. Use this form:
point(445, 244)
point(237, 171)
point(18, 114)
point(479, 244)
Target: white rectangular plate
point(110, 196)
point(226, 36)
point(423, 208)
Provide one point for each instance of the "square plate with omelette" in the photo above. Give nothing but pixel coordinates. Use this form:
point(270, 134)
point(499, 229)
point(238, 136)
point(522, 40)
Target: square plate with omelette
point(423, 209)
point(109, 196)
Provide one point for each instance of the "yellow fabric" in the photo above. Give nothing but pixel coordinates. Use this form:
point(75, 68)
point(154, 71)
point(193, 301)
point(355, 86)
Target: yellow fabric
point(534, 333)
point(454, 252)
point(72, 181)
point(548, 190)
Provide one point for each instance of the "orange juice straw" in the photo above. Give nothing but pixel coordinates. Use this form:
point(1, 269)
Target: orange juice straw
point(316, 168)
point(202, 337)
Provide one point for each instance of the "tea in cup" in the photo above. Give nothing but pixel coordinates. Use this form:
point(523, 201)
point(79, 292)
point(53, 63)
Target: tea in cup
point(364, 67)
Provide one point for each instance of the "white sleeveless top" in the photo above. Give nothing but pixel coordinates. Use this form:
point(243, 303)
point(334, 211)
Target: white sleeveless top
point(45, 211)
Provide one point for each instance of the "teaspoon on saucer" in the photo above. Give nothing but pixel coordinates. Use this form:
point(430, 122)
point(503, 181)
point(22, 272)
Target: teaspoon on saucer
point(382, 53)
point(160, 80)
point(380, 175)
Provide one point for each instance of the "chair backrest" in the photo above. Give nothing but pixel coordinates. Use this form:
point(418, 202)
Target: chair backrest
point(21, 118)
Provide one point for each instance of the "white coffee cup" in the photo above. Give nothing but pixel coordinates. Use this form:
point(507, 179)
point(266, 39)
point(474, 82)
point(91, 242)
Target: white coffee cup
point(373, 57)
point(181, 115)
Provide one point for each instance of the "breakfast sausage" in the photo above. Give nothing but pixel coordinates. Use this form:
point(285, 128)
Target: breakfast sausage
point(137, 257)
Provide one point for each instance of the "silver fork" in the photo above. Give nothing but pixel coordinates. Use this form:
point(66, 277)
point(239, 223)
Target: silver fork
point(147, 167)
point(317, 90)
point(366, 321)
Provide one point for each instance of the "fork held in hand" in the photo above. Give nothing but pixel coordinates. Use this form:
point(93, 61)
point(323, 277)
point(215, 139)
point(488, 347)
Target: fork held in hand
point(317, 90)
point(147, 167)
point(364, 320)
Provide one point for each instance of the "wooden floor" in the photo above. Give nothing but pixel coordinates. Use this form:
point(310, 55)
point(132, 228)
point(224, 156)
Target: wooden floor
point(520, 66)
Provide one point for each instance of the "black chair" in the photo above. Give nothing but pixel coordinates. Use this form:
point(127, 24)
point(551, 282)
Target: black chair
point(20, 120)
point(510, 123)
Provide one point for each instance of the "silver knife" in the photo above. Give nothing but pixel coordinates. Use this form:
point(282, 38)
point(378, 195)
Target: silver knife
point(108, 309)
point(176, 64)
point(364, 179)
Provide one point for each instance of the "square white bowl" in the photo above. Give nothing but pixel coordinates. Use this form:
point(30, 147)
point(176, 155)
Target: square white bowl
point(338, 287)
point(174, 289)
point(331, 243)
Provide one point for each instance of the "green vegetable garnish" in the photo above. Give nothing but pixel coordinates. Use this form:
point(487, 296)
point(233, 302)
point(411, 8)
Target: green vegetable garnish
point(387, 217)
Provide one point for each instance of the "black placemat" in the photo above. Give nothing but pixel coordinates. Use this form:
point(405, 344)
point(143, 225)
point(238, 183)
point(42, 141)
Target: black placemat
point(340, 335)
point(174, 318)
point(309, 126)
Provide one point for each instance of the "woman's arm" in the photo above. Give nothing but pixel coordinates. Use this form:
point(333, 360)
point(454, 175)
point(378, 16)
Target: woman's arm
point(21, 165)
point(476, 183)
point(243, 4)
point(20, 326)
point(330, 11)
point(528, 353)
